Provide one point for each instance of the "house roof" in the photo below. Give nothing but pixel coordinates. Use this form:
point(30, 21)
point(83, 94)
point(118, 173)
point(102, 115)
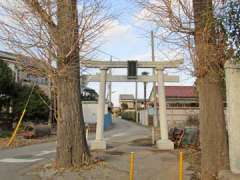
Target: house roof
point(180, 91)
point(126, 97)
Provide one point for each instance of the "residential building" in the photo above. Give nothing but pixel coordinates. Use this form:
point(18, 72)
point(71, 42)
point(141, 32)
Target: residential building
point(181, 103)
point(178, 96)
point(23, 76)
point(128, 100)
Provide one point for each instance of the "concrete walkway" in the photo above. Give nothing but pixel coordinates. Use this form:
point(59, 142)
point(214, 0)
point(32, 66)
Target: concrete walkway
point(124, 137)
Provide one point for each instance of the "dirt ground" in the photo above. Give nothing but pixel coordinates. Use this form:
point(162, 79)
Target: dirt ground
point(20, 141)
point(150, 164)
point(193, 157)
point(113, 164)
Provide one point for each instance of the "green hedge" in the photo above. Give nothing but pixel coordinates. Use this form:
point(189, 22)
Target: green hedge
point(129, 115)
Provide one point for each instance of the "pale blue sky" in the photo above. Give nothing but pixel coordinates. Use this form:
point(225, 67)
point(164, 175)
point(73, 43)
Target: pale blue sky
point(129, 39)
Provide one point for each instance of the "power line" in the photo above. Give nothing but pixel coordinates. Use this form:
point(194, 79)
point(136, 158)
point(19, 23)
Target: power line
point(107, 53)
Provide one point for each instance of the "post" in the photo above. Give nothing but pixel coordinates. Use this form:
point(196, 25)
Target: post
point(110, 94)
point(100, 143)
point(132, 158)
point(110, 87)
point(50, 116)
point(136, 101)
point(145, 95)
point(153, 135)
point(164, 143)
point(87, 131)
point(180, 165)
point(155, 116)
point(145, 89)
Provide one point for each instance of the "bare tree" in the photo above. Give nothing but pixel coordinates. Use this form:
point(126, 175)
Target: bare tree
point(209, 68)
point(51, 37)
point(193, 25)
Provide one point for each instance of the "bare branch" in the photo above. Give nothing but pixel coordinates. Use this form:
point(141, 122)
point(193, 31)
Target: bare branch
point(37, 8)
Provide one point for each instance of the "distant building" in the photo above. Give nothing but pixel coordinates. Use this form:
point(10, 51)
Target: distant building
point(42, 82)
point(182, 105)
point(179, 97)
point(126, 100)
point(130, 101)
point(22, 76)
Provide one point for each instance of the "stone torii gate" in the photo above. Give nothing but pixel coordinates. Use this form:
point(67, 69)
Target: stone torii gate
point(164, 143)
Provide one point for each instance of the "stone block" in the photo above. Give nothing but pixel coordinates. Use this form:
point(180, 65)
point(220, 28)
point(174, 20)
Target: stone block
point(98, 145)
point(165, 144)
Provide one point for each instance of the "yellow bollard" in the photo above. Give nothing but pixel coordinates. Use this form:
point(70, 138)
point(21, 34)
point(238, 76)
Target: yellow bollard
point(180, 165)
point(132, 158)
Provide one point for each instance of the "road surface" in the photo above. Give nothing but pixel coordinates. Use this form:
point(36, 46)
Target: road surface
point(14, 163)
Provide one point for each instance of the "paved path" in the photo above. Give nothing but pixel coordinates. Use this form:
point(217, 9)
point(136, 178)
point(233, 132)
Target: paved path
point(149, 162)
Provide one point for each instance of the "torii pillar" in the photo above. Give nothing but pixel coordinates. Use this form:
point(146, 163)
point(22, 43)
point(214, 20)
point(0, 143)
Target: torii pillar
point(164, 143)
point(99, 142)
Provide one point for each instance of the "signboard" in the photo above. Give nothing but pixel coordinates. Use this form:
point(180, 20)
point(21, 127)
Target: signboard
point(132, 69)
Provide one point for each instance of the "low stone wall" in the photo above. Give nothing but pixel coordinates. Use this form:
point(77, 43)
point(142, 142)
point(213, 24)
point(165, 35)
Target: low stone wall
point(176, 117)
point(107, 123)
point(90, 111)
point(90, 115)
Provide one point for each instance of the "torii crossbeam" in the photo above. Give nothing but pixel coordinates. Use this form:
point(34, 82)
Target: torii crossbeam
point(124, 64)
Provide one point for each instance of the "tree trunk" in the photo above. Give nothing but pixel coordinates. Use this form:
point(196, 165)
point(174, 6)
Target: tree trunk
point(72, 148)
point(213, 135)
point(209, 70)
point(145, 95)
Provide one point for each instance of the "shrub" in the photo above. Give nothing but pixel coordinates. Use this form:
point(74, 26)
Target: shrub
point(6, 79)
point(37, 109)
point(129, 115)
point(124, 106)
point(15, 95)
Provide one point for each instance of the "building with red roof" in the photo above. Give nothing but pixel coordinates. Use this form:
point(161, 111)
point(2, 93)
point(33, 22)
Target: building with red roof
point(179, 96)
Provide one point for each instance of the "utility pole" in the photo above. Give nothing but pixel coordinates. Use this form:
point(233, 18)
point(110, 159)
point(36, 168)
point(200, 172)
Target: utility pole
point(50, 116)
point(136, 101)
point(155, 118)
point(110, 87)
point(145, 90)
point(51, 97)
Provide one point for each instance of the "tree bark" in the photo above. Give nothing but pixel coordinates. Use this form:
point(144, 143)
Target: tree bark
point(213, 135)
point(72, 148)
point(208, 66)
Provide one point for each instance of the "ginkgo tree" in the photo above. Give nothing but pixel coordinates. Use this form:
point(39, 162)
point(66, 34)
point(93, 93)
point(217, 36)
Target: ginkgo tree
point(192, 25)
point(50, 38)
